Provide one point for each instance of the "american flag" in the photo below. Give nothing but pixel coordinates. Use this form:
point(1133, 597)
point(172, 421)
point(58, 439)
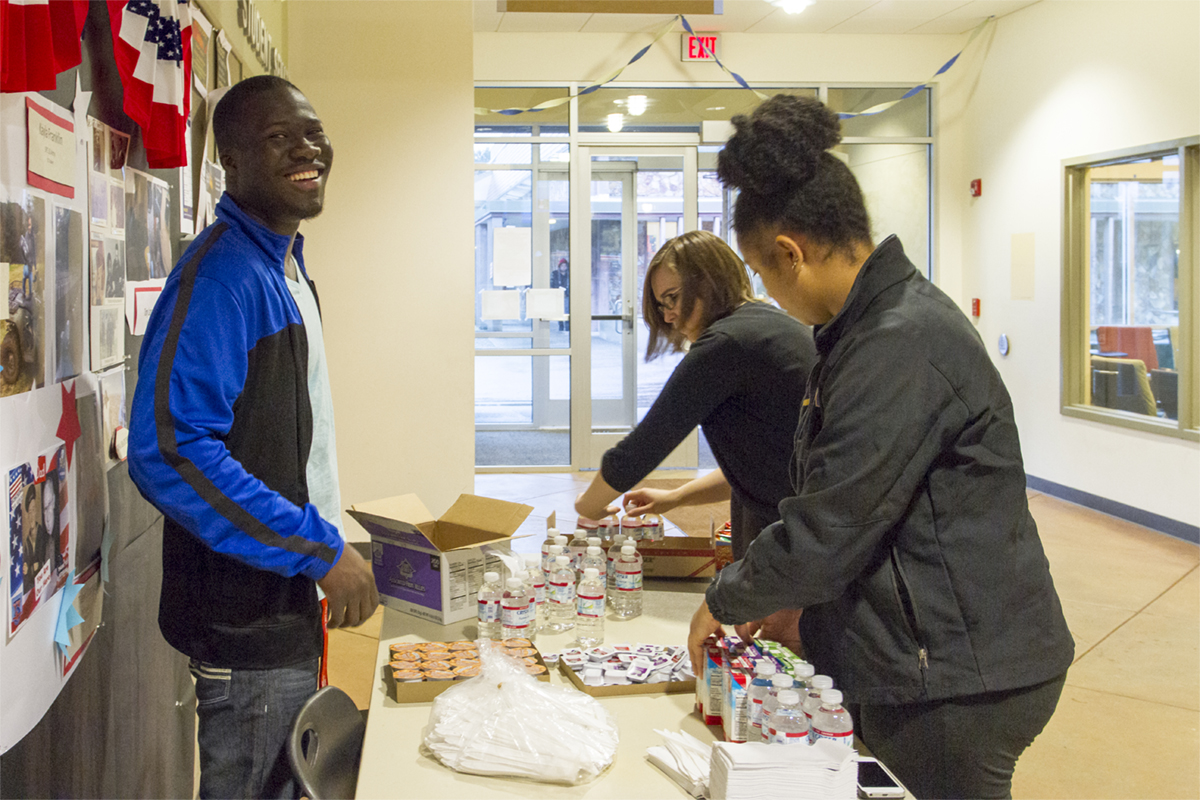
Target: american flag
point(152, 45)
point(38, 40)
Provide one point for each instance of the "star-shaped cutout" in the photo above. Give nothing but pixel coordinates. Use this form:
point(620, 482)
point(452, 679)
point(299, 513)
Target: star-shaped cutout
point(68, 424)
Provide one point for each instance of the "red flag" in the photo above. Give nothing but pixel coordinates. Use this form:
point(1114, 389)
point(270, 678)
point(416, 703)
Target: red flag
point(152, 45)
point(38, 40)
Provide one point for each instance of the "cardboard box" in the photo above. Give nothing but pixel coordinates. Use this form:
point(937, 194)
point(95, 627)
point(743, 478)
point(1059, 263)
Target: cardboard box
point(670, 687)
point(678, 557)
point(425, 691)
point(432, 568)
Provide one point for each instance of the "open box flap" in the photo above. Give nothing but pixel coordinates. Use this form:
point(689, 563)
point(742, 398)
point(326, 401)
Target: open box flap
point(401, 513)
point(474, 520)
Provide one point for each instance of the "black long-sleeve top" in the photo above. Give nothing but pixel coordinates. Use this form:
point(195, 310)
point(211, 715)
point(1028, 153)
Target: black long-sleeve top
point(743, 382)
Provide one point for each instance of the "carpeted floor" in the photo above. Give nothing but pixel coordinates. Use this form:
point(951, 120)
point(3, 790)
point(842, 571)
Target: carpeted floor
point(692, 520)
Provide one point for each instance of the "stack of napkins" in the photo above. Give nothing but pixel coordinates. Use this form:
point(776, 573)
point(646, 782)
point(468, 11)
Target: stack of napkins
point(824, 770)
point(684, 759)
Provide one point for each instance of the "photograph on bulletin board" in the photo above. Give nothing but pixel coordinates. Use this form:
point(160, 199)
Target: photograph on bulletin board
point(91, 493)
point(116, 206)
point(38, 534)
point(202, 36)
point(23, 264)
point(118, 151)
point(112, 412)
point(68, 296)
point(147, 227)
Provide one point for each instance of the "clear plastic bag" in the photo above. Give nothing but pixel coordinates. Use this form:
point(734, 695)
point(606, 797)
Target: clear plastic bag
point(506, 722)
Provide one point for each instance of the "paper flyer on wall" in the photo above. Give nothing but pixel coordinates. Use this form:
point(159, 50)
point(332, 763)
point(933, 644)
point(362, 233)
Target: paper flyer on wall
point(39, 534)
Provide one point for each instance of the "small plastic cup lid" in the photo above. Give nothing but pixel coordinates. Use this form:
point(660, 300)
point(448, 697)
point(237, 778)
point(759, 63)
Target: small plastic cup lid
point(491, 577)
point(831, 697)
point(788, 697)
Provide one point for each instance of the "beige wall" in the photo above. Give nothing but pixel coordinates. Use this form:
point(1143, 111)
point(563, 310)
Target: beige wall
point(392, 255)
point(1059, 80)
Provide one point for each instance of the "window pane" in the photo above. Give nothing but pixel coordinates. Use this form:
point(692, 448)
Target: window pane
point(1134, 298)
point(503, 153)
point(503, 200)
point(517, 97)
point(668, 110)
point(907, 118)
point(522, 410)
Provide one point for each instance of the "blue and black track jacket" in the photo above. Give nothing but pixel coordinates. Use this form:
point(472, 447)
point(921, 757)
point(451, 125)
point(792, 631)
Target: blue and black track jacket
point(219, 439)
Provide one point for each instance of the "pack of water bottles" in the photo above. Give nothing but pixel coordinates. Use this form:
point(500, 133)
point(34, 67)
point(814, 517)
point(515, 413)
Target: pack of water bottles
point(762, 692)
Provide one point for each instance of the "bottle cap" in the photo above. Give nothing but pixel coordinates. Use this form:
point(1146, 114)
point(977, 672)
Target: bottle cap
point(514, 583)
point(561, 539)
point(831, 697)
point(764, 668)
point(619, 539)
point(781, 680)
point(594, 550)
point(593, 541)
point(554, 550)
point(491, 577)
point(551, 533)
point(788, 697)
point(580, 533)
point(820, 682)
point(628, 549)
point(562, 561)
point(592, 572)
point(804, 670)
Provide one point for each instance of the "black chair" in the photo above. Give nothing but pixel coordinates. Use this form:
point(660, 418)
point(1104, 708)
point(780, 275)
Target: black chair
point(325, 747)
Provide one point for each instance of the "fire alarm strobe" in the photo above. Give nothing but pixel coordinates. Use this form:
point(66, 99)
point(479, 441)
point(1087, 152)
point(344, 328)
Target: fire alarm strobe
point(977, 187)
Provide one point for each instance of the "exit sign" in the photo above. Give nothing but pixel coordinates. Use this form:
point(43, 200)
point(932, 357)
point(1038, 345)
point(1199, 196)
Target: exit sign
point(694, 47)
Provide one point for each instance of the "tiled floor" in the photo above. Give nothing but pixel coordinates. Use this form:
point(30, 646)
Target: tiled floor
point(1128, 724)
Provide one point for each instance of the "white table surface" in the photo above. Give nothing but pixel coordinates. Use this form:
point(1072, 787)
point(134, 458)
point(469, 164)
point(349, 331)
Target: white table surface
point(393, 765)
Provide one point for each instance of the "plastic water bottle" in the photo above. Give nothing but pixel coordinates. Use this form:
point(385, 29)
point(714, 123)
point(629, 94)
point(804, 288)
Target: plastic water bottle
point(780, 681)
point(632, 528)
point(832, 721)
point(759, 688)
point(594, 557)
point(812, 700)
point(614, 552)
point(577, 548)
point(788, 723)
point(803, 673)
point(560, 613)
point(589, 620)
point(652, 528)
point(516, 610)
point(609, 527)
point(490, 594)
point(551, 535)
point(535, 579)
point(627, 603)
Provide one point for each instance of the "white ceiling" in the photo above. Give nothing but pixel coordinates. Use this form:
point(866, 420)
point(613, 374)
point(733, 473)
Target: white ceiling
point(759, 16)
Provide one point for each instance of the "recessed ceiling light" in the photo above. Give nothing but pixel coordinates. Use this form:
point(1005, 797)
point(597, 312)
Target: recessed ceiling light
point(715, 108)
point(616, 122)
point(637, 104)
point(792, 6)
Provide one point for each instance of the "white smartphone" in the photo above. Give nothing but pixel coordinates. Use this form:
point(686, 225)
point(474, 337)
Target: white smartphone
point(875, 780)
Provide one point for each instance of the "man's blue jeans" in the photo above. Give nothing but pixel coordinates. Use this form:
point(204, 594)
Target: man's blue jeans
point(245, 717)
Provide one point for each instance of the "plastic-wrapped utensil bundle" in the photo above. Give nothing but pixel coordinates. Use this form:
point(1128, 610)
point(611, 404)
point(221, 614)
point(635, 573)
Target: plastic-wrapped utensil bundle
point(505, 722)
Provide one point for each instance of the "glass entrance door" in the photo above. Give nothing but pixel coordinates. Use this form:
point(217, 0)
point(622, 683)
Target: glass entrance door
point(636, 199)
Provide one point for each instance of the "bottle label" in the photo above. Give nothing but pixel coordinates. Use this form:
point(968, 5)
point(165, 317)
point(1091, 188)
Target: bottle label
point(845, 737)
point(562, 592)
point(789, 737)
point(629, 581)
point(756, 712)
point(489, 610)
point(518, 616)
point(539, 593)
point(591, 606)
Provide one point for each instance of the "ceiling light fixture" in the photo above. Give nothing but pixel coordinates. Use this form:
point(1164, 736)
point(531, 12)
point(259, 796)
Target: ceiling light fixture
point(616, 122)
point(792, 6)
point(637, 104)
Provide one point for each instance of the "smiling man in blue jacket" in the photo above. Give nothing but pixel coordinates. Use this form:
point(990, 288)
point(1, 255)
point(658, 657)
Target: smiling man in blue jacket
point(232, 439)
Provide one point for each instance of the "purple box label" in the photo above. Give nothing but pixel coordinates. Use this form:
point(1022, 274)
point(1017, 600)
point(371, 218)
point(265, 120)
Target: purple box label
point(408, 574)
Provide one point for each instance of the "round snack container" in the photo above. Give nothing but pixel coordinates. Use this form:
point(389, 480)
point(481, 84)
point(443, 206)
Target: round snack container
point(403, 647)
point(463, 645)
point(431, 646)
point(439, 675)
point(408, 675)
point(517, 642)
point(467, 672)
point(408, 656)
point(529, 661)
point(466, 662)
point(535, 669)
point(521, 652)
point(439, 655)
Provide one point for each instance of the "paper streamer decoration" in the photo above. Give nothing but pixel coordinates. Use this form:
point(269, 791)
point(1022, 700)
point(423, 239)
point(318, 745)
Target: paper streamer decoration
point(558, 101)
point(68, 617)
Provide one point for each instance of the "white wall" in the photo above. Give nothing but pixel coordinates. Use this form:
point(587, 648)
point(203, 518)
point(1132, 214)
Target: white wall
point(1058, 80)
point(393, 254)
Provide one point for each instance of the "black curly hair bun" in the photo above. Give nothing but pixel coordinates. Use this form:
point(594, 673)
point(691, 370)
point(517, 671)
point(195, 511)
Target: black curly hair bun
point(779, 146)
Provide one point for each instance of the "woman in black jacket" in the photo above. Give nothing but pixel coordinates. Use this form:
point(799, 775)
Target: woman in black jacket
point(909, 543)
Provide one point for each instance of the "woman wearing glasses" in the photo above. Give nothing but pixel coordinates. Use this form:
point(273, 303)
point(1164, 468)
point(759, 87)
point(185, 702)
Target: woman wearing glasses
point(742, 381)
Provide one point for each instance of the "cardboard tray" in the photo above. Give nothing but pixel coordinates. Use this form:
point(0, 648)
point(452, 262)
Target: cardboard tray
point(425, 691)
point(670, 687)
